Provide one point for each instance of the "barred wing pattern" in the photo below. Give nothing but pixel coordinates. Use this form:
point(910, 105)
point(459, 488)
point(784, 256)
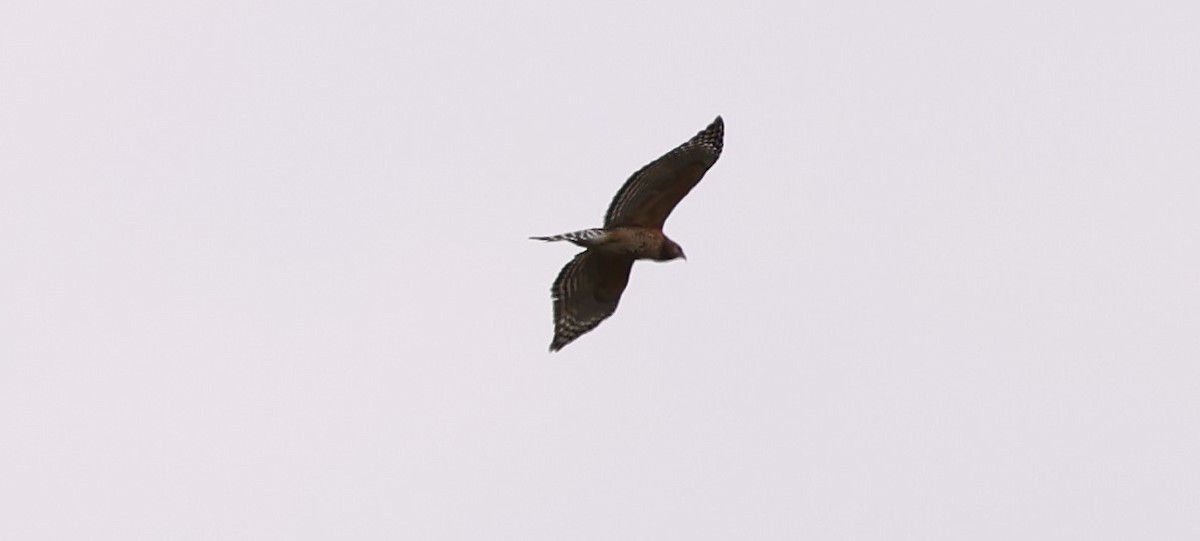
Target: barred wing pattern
point(650, 195)
point(585, 293)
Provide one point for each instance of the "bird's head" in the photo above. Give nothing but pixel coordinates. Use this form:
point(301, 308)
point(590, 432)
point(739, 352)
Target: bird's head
point(670, 250)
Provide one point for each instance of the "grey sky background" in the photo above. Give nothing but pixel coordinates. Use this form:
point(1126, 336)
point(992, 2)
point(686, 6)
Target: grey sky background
point(265, 275)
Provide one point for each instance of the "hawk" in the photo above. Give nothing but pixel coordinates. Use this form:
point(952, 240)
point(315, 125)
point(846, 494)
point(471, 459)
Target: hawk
point(588, 289)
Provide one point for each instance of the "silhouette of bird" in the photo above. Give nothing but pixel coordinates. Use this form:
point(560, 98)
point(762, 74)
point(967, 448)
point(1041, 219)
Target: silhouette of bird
point(589, 287)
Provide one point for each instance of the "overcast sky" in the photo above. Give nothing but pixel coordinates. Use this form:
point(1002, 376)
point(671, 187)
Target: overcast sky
point(264, 271)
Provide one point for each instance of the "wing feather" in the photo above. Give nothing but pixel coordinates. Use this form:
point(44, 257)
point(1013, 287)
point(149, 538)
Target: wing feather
point(649, 196)
point(585, 293)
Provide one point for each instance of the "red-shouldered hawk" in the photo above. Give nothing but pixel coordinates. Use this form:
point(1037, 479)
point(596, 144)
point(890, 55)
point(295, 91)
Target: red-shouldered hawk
point(588, 289)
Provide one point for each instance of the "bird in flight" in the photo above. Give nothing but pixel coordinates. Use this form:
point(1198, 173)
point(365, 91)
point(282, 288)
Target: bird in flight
point(588, 289)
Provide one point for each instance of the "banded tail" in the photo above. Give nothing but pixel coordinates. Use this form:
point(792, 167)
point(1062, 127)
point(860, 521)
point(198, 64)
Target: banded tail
point(585, 238)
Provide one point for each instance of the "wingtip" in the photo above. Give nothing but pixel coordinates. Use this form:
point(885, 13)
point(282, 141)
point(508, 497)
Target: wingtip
point(713, 135)
point(559, 342)
point(716, 128)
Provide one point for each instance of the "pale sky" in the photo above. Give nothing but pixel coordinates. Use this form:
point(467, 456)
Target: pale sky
point(264, 271)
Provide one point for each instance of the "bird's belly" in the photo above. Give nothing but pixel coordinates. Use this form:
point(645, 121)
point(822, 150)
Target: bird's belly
point(637, 243)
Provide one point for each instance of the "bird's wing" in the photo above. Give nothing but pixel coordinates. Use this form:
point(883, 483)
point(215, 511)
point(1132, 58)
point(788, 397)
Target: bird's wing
point(585, 293)
point(650, 195)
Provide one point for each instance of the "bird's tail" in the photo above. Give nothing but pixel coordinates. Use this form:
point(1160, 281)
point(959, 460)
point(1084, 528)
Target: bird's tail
point(586, 237)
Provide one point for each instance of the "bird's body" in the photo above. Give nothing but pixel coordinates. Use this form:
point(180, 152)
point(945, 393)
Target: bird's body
point(634, 242)
point(589, 287)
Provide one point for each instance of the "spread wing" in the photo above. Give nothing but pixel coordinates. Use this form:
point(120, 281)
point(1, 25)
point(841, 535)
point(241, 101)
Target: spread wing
point(585, 293)
point(650, 195)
